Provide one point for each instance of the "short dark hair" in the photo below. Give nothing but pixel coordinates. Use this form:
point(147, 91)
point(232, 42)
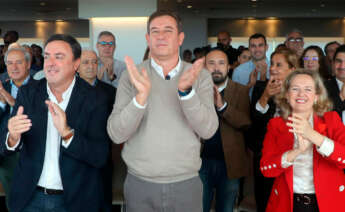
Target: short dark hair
point(256, 36)
point(160, 13)
point(224, 32)
point(340, 49)
point(328, 44)
point(73, 43)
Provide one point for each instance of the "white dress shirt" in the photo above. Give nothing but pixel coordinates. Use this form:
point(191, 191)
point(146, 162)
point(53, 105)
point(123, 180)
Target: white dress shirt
point(303, 175)
point(172, 74)
point(50, 177)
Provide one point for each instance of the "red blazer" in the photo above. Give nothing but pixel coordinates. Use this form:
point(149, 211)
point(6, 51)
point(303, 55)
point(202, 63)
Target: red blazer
point(329, 178)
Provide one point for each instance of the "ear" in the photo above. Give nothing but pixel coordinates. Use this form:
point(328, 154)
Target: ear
point(147, 36)
point(180, 38)
point(76, 64)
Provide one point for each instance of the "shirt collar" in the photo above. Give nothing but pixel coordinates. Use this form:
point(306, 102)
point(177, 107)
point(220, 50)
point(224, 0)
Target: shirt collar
point(340, 83)
point(65, 95)
point(221, 88)
point(24, 82)
point(159, 69)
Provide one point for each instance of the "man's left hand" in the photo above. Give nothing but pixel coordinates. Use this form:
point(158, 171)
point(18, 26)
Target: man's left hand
point(188, 77)
point(59, 118)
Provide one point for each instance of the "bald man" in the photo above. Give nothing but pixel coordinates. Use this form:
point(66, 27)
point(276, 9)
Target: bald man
point(224, 159)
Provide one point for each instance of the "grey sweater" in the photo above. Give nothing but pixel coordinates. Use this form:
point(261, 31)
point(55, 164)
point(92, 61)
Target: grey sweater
point(162, 141)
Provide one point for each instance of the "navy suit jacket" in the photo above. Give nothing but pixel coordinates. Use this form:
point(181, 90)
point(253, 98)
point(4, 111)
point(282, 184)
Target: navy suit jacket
point(80, 163)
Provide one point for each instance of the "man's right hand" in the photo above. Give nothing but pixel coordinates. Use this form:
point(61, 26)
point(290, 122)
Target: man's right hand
point(261, 67)
point(141, 81)
point(17, 125)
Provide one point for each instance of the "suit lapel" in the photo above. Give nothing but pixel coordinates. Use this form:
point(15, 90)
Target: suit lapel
point(75, 102)
point(41, 114)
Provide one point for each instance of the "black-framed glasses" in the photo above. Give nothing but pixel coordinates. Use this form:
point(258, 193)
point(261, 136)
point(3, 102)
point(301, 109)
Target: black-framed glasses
point(103, 43)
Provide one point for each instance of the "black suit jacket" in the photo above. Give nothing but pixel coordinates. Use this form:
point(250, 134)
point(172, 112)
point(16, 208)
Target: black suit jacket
point(109, 91)
point(333, 93)
point(259, 120)
point(79, 163)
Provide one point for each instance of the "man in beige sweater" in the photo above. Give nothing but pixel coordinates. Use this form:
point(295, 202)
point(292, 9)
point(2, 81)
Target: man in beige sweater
point(163, 107)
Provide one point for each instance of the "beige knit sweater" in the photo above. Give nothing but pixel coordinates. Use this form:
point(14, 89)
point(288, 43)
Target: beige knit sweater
point(162, 141)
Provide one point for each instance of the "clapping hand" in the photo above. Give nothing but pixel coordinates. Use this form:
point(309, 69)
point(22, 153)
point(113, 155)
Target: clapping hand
point(188, 77)
point(17, 125)
point(59, 118)
point(141, 81)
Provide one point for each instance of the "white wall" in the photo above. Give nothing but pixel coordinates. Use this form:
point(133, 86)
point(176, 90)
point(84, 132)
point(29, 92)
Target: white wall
point(129, 32)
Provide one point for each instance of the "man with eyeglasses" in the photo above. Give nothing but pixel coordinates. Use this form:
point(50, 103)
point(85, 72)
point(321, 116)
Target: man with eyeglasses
point(295, 41)
point(110, 69)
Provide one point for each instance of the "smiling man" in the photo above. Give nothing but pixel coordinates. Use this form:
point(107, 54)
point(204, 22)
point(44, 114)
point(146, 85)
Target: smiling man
point(60, 150)
point(258, 65)
point(163, 107)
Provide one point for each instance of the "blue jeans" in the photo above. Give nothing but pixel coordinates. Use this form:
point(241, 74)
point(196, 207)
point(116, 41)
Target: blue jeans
point(214, 178)
point(41, 202)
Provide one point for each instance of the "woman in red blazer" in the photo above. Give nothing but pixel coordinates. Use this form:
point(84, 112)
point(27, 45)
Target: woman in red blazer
point(304, 149)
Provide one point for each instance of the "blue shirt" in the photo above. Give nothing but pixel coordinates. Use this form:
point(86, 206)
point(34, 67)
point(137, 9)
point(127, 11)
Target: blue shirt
point(242, 72)
point(14, 91)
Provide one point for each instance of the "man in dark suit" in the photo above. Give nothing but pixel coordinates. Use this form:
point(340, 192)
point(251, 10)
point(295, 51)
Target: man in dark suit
point(88, 71)
point(224, 158)
point(18, 68)
point(335, 86)
point(59, 127)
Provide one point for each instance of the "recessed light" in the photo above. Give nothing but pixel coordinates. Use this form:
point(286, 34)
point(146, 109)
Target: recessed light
point(189, 6)
point(59, 20)
point(254, 0)
point(43, 4)
point(39, 20)
point(272, 18)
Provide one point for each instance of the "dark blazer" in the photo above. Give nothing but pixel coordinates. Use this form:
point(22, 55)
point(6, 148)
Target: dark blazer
point(109, 91)
point(259, 120)
point(233, 121)
point(333, 93)
point(79, 163)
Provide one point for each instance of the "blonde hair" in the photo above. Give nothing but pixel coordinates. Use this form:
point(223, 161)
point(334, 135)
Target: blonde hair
point(322, 105)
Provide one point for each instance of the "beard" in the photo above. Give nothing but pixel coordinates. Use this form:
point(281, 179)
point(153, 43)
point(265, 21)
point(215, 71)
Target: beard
point(218, 77)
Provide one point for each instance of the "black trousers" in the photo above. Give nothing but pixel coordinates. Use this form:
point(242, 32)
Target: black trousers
point(262, 186)
point(305, 203)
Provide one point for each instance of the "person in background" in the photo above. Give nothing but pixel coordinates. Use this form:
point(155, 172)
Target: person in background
point(187, 56)
point(224, 157)
point(329, 51)
point(224, 43)
point(110, 69)
point(295, 41)
point(304, 149)
point(263, 109)
point(314, 59)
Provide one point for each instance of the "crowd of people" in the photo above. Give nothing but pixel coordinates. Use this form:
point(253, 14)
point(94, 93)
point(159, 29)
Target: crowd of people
point(190, 129)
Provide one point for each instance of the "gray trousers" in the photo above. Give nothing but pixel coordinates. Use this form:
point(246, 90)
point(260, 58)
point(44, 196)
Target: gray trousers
point(144, 196)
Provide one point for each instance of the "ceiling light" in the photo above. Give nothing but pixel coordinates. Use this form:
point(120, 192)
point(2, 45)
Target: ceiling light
point(272, 18)
point(189, 6)
point(39, 20)
point(254, 0)
point(43, 4)
point(59, 20)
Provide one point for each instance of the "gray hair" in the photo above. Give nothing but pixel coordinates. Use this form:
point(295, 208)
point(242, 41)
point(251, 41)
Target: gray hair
point(27, 55)
point(294, 30)
point(106, 33)
point(88, 50)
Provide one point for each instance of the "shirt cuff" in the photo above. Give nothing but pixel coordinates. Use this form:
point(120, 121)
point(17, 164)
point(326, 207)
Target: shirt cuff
point(2, 105)
point(11, 148)
point(189, 96)
point(285, 163)
point(66, 144)
point(326, 148)
point(259, 108)
point(138, 105)
point(223, 107)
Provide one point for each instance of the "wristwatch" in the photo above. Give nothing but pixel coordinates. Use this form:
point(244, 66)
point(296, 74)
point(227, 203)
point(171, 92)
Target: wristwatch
point(68, 136)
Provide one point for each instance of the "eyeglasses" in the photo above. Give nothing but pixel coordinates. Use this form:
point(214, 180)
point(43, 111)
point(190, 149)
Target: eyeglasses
point(297, 40)
point(311, 58)
point(103, 43)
